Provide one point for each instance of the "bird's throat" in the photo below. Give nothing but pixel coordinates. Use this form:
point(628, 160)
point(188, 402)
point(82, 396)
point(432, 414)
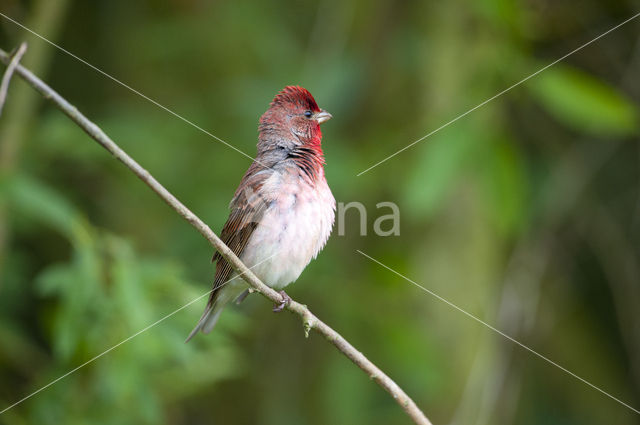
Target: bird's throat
point(309, 159)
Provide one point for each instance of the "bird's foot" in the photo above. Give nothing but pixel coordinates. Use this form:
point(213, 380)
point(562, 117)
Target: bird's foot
point(286, 299)
point(242, 296)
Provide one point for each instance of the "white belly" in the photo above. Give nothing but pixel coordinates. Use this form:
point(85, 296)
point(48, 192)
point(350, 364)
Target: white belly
point(291, 232)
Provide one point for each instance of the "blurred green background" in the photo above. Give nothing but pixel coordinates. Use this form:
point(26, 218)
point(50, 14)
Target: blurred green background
point(524, 213)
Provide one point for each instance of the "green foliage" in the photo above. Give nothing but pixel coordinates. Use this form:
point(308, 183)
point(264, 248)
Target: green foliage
point(102, 296)
point(583, 102)
point(523, 212)
point(441, 161)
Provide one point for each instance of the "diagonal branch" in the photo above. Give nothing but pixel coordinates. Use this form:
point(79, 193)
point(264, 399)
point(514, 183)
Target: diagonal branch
point(6, 78)
point(310, 321)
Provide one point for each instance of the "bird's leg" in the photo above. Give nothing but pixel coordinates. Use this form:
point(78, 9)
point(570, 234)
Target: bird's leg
point(242, 296)
point(286, 299)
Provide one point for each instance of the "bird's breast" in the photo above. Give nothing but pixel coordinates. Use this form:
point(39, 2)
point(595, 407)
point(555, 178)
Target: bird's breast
point(293, 229)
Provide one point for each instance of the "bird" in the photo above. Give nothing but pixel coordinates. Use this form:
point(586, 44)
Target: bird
point(283, 211)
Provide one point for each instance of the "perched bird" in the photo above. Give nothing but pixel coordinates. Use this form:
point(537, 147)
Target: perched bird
point(283, 211)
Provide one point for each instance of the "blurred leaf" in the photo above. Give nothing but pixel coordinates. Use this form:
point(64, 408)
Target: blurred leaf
point(128, 285)
point(440, 160)
point(583, 102)
point(78, 287)
point(34, 199)
point(505, 184)
point(54, 279)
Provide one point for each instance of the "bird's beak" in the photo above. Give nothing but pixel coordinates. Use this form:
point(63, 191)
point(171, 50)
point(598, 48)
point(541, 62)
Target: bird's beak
point(323, 116)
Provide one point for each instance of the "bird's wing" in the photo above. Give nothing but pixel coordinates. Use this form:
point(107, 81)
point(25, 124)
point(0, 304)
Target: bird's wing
point(247, 207)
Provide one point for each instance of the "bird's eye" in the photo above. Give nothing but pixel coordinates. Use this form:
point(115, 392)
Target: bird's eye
point(307, 114)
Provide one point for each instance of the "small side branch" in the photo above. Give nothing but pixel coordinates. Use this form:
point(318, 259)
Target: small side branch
point(6, 78)
point(310, 321)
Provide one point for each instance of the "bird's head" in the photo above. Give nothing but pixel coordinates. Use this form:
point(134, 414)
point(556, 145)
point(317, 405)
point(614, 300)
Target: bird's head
point(293, 118)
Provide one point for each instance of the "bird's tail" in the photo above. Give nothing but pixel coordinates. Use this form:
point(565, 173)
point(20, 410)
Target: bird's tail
point(209, 318)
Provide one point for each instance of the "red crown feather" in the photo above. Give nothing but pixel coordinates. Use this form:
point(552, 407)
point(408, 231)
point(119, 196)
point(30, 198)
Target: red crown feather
point(296, 95)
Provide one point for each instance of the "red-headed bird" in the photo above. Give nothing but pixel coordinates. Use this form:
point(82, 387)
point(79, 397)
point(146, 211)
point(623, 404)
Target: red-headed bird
point(283, 211)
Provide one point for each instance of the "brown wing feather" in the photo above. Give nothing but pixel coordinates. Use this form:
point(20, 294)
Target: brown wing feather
point(247, 207)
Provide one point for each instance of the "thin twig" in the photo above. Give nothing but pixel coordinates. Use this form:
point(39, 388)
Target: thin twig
point(309, 319)
point(6, 78)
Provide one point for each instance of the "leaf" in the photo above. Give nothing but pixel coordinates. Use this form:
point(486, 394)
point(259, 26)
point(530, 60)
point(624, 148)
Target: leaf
point(583, 102)
point(505, 185)
point(54, 279)
point(36, 201)
point(129, 284)
point(441, 161)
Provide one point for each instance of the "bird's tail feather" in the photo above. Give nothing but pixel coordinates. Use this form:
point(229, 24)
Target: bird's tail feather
point(208, 320)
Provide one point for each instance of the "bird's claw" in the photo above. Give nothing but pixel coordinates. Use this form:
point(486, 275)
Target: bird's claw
point(286, 299)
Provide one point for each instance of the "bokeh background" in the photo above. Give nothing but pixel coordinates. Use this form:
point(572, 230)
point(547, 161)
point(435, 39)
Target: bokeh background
point(525, 212)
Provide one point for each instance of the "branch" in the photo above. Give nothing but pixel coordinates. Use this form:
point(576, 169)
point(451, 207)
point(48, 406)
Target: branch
point(6, 78)
point(310, 321)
